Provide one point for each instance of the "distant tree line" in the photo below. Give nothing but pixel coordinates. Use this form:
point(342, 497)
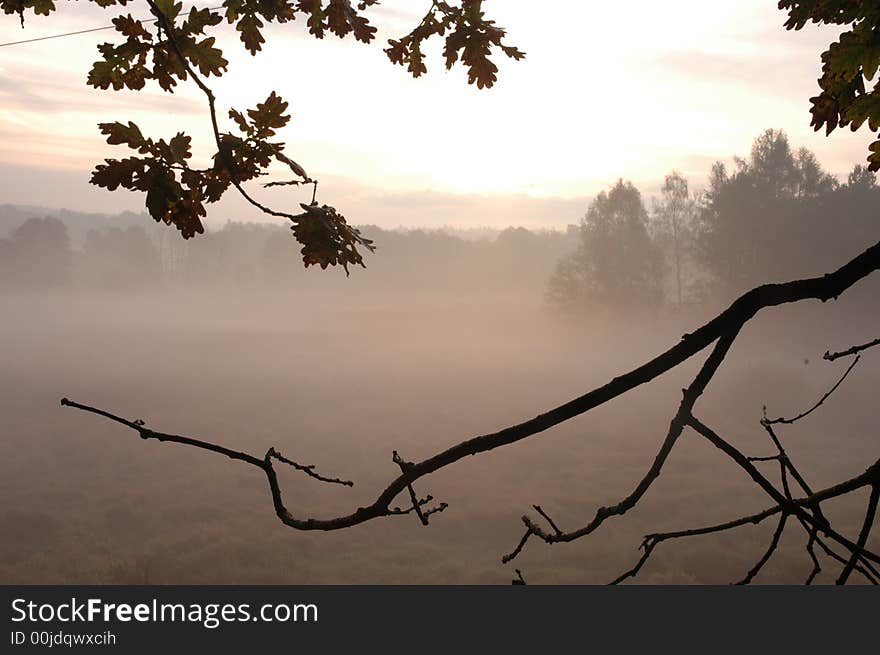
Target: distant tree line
point(776, 216)
point(39, 254)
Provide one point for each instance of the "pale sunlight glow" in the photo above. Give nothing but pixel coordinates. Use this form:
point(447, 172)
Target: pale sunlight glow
point(608, 90)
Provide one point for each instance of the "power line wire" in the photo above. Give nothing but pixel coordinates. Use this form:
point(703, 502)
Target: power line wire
point(58, 36)
point(93, 29)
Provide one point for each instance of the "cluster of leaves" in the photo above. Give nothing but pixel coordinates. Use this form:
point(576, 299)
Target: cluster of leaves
point(846, 65)
point(470, 37)
point(176, 194)
point(174, 201)
point(39, 7)
point(126, 66)
point(175, 46)
point(326, 237)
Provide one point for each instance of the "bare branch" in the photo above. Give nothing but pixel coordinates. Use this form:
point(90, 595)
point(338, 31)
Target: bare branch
point(416, 504)
point(653, 540)
point(812, 553)
point(690, 396)
point(547, 518)
point(870, 513)
point(780, 527)
point(531, 529)
point(722, 330)
point(789, 421)
point(850, 351)
point(146, 433)
point(308, 469)
point(869, 477)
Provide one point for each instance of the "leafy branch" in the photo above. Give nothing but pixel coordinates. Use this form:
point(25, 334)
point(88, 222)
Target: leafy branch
point(844, 99)
point(182, 49)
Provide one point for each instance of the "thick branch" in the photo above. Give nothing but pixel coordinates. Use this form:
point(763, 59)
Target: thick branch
point(728, 323)
point(690, 396)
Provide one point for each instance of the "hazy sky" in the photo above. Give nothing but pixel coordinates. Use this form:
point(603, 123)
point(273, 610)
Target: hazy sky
point(608, 90)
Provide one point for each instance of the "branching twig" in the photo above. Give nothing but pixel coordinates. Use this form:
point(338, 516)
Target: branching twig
point(789, 421)
point(690, 396)
point(780, 527)
point(165, 26)
point(797, 507)
point(653, 540)
point(850, 351)
point(722, 330)
point(547, 518)
point(817, 568)
point(416, 503)
point(308, 469)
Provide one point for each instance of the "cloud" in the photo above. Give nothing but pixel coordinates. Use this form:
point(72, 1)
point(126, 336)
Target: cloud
point(22, 96)
point(38, 89)
point(778, 74)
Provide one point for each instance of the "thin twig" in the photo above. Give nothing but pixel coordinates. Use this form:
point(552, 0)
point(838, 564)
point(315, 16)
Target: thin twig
point(869, 477)
point(308, 469)
point(416, 505)
point(780, 527)
point(547, 518)
point(651, 541)
point(830, 356)
point(789, 421)
point(812, 553)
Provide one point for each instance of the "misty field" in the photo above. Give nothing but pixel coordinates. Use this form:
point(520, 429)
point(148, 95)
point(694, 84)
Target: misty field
point(340, 380)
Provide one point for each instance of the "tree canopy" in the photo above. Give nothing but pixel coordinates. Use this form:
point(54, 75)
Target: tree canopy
point(776, 214)
point(615, 261)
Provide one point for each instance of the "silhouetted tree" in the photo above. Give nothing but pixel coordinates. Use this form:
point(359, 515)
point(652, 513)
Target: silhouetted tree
point(672, 225)
point(122, 259)
point(616, 264)
point(749, 218)
point(37, 254)
point(860, 177)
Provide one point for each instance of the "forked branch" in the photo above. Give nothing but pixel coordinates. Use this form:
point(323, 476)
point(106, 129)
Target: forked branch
point(722, 331)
